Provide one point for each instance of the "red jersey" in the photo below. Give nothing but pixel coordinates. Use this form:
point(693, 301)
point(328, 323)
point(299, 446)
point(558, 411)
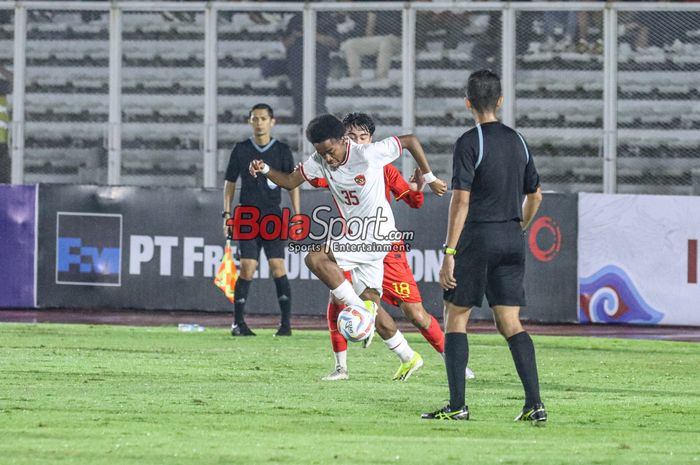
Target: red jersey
point(396, 184)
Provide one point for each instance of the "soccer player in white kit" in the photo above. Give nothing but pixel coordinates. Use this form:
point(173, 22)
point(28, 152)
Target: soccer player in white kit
point(355, 177)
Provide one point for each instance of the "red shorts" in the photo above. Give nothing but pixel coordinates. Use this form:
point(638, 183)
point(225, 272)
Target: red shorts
point(399, 284)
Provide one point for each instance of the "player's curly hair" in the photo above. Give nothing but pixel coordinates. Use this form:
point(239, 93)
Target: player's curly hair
point(324, 127)
point(484, 90)
point(359, 120)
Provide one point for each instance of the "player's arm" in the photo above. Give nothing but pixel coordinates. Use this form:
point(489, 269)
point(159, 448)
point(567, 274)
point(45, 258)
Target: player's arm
point(401, 189)
point(295, 198)
point(531, 189)
point(530, 206)
point(463, 170)
point(457, 216)
point(413, 145)
point(229, 193)
point(416, 183)
point(288, 167)
point(287, 180)
point(233, 170)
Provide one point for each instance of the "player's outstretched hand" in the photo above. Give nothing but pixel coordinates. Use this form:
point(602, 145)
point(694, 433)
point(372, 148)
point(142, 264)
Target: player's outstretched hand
point(256, 166)
point(417, 181)
point(439, 187)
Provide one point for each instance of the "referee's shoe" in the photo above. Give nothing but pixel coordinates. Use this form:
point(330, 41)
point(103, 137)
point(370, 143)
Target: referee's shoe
point(241, 330)
point(536, 414)
point(446, 413)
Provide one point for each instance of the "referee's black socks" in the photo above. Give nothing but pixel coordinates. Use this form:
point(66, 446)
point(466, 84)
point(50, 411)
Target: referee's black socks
point(456, 358)
point(240, 298)
point(284, 297)
point(523, 351)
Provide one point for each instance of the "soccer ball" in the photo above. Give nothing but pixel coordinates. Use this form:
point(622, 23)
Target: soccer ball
point(355, 323)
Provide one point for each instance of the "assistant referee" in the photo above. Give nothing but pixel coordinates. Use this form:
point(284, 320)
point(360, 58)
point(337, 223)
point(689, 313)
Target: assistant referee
point(266, 198)
point(485, 247)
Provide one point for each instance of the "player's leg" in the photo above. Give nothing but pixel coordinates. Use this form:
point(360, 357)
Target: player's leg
point(371, 276)
point(470, 272)
point(522, 350)
point(354, 50)
point(274, 250)
point(386, 49)
point(338, 342)
point(323, 265)
point(249, 252)
point(506, 294)
point(456, 358)
point(431, 331)
point(284, 295)
point(400, 289)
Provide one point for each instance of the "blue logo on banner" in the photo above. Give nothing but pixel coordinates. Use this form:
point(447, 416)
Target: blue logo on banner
point(610, 296)
point(88, 249)
point(105, 261)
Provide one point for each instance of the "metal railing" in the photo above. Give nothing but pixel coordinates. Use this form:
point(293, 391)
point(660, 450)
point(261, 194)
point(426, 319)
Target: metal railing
point(128, 92)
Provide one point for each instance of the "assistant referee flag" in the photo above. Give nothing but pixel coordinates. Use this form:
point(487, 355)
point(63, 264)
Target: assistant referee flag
point(227, 275)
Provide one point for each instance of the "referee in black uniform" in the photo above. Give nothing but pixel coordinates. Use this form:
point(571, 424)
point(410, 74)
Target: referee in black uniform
point(265, 196)
point(485, 247)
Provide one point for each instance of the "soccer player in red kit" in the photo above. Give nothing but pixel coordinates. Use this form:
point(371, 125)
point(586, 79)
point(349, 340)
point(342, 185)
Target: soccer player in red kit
point(399, 286)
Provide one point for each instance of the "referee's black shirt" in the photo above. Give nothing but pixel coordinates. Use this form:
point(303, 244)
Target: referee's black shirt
point(259, 192)
point(494, 163)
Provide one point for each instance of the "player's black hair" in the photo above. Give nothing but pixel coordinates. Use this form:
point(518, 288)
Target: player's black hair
point(484, 90)
point(359, 120)
point(324, 127)
point(261, 106)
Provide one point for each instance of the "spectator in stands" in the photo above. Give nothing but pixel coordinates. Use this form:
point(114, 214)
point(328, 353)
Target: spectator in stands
point(326, 41)
point(5, 90)
point(559, 29)
point(381, 38)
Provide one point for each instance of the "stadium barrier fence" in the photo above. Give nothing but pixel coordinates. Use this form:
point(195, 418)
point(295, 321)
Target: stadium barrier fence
point(158, 249)
point(156, 93)
point(590, 257)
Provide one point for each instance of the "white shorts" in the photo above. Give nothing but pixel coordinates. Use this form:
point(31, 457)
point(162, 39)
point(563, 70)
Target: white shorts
point(366, 269)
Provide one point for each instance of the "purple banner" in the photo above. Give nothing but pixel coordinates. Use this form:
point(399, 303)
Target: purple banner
point(17, 230)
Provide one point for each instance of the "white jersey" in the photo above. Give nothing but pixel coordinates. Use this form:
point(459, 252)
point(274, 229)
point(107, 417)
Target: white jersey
point(357, 186)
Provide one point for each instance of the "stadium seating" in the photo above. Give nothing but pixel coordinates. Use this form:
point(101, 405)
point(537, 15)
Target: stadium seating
point(559, 107)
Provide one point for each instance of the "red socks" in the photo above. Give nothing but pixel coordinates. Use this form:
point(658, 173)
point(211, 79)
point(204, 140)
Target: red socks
point(433, 334)
point(337, 340)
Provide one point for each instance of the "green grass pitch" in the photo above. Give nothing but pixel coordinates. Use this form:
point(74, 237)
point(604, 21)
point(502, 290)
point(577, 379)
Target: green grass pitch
point(73, 394)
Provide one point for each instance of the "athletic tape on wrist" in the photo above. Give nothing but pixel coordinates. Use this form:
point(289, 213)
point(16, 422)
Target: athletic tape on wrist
point(265, 169)
point(429, 177)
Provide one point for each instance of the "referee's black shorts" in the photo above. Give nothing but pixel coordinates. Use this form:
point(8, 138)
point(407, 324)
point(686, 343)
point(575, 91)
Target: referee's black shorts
point(274, 248)
point(490, 261)
point(251, 248)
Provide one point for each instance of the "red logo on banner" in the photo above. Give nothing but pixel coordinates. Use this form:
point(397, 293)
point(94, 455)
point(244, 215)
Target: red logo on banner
point(692, 261)
point(547, 231)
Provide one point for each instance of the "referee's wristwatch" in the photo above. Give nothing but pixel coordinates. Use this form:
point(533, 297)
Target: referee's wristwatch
point(225, 214)
point(448, 250)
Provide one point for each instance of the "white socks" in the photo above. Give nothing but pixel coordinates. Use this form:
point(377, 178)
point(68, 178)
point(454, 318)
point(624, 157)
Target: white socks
point(399, 345)
point(346, 294)
point(341, 359)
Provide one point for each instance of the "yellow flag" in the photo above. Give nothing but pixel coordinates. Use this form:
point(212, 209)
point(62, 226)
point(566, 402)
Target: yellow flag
point(227, 275)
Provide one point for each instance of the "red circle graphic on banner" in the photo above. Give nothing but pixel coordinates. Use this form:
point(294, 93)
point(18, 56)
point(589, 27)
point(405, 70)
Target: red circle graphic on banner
point(546, 225)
